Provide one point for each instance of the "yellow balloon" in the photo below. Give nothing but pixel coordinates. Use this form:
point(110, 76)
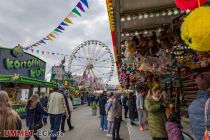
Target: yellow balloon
point(196, 29)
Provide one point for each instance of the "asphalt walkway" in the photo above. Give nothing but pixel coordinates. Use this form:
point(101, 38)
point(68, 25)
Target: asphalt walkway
point(86, 127)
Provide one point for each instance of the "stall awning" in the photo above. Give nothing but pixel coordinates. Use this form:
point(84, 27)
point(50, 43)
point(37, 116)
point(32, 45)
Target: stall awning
point(25, 80)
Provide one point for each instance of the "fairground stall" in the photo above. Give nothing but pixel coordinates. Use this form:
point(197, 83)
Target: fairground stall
point(161, 43)
point(20, 74)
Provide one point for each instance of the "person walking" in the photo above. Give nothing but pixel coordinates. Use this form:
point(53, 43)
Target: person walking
point(44, 101)
point(140, 107)
point(131, 103)
point(124, 103)
point(196, 109)
point(117, 110)
point(9, 119)
point(70, 106)
point(110, 114)
point(103, 117)
point(156, 106)
point(34, 111)
point(56, 108)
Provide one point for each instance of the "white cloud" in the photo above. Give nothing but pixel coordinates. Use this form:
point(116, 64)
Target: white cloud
point(25, 22)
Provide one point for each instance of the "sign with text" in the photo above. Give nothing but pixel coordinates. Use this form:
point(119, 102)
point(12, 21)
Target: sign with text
point(17, 61)
point(58, 73)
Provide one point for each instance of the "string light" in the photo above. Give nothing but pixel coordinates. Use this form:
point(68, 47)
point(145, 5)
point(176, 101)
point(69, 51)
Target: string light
point(128, 18)
point(145, 15)
point(151, 15)
point(157, 14)
point(140, 16)
point(176, 12)
point(136, 33)
point(170, 12)
point(163, 13)
point(122, 19)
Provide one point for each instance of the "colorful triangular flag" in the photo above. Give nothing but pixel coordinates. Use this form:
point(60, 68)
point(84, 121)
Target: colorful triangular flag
point(67, 20)
point(76, 11)
point(79, 5)
point(37, 44)
point(60, 27)
point(46, 38)
point(42, 52)
point(37, 51)
point(63, 23)
point(34, 45)
point(52, 35)
point(42, 41)
point(85, 3)
point(56, 33)
point(71, 15)
point(32, 50)
point(49, 37)
point(57, 30)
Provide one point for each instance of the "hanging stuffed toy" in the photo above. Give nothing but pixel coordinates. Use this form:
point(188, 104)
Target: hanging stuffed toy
point(189, 4)
point(195, 29)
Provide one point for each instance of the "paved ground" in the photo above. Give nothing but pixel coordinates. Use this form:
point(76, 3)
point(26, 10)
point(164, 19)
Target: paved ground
point(86, 127)
point(135, 134)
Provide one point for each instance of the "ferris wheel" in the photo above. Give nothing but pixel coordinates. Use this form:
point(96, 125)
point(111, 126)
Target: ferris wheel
point(93, 62)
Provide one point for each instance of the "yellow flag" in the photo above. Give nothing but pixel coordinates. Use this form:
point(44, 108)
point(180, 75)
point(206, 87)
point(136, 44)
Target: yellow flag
point(49, 37)
point(67, 20)
point(52, 35)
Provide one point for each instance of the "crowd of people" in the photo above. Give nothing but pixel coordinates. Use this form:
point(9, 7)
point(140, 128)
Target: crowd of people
point(152, 107)
point(57, 106)
point(143, 107)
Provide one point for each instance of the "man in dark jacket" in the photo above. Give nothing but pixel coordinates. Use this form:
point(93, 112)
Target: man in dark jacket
point(125, 99)
point(44, 101)
point(117, 110)
point(197, 107)
point(102, 103)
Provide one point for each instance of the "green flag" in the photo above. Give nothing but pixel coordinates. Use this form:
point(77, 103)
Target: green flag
point(76, 11)
point(57, 30)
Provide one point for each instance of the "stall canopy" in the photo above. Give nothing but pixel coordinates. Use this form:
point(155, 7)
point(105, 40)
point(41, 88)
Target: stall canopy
point(20, 67)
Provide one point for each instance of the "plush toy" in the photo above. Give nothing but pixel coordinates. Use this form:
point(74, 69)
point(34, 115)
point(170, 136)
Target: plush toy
point(189, 4)
point(195, 29)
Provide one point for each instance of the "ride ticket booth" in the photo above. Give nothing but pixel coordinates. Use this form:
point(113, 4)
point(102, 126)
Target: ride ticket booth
point(20, 74)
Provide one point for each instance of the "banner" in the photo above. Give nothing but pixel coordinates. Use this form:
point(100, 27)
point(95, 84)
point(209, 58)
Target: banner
point(43, 52)
point(75, 12)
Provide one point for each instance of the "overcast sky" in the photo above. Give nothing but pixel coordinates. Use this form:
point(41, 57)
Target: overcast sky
point(27, 21)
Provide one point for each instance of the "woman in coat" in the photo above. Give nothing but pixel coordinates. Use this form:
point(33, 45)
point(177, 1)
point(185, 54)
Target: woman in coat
point(197, 107)
point(35, 111)
point(156, 115)
point(9, 119)
point(131, 103)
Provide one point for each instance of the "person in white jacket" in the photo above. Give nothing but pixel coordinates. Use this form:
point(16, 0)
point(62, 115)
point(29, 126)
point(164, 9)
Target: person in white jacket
point(140, 108)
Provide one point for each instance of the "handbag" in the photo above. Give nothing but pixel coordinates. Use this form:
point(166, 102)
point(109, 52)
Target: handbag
point(206, 134)
point(36, 125)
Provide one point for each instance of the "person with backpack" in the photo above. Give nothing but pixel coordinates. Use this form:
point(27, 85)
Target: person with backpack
point(110, 115)
point(197, 110)
point(140, 107)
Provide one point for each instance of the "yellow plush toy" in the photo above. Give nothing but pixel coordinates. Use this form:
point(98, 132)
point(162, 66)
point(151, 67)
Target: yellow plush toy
point(196, 29)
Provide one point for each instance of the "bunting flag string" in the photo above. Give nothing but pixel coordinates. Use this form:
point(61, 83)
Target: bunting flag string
point(43, 52)
point(67, 21)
